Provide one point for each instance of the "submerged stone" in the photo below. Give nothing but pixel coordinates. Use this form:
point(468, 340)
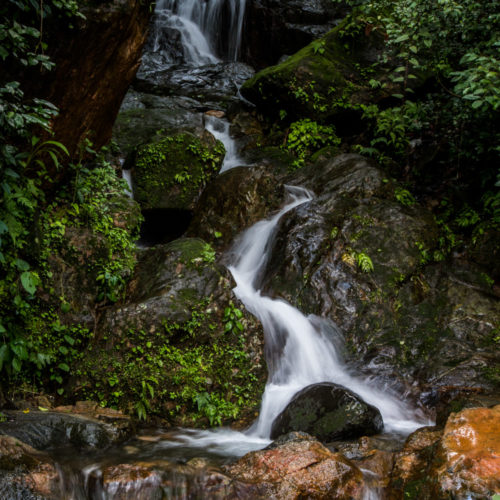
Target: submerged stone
point(328, 411)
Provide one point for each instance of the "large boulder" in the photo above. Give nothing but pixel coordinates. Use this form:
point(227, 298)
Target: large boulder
point(143, 117)
point(462, 461)
point(234, 201)
point(328, 411)
point(298, 466)
point(180, 347)
point(172, 172)
point(46, 429)
point(369, 266)
point(322, 80)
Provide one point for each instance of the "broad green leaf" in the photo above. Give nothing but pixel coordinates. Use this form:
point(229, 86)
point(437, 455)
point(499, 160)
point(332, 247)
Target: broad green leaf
point(28, 282)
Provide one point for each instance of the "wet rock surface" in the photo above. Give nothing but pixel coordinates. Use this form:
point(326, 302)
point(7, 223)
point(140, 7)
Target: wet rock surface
point(234, 201)
point(461, 461)
point(26, 473)
point(406, 320)
point(211, 83)
point(298, 466)
point(328, 412)
point(48, 429)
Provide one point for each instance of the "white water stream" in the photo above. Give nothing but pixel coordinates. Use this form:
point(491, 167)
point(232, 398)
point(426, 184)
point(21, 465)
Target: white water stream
point(301, 352)
point(200, 24)
point(220, 129)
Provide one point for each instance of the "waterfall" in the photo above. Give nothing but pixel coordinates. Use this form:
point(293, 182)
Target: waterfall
point(299, 351)
point(207, 27)
point(219, 128)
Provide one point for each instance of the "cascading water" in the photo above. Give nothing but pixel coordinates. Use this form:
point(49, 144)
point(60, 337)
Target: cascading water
point(201, 25)
point(219, 128)
point(299, 351)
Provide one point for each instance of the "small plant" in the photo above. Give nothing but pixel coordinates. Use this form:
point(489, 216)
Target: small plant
point(404, 197)
point(232, 319)
point(364, 262)
point(306, 137)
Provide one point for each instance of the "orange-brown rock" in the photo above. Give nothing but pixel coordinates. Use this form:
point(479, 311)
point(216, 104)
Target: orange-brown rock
point(470, 454)
point(26, 471)
point(300, 467)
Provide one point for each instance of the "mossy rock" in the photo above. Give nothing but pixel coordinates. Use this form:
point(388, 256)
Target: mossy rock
point(168, 349)
point(172, 172)
point(323, 79)
point(328, 411)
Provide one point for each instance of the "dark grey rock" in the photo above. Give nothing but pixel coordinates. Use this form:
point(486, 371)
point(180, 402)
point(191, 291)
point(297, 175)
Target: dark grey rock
point(328, 411)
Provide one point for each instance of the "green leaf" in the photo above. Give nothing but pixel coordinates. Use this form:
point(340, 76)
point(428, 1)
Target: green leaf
point(16, 364)
point(69, 340)
point(28, 282)
point(22, 265)
point(63, 366)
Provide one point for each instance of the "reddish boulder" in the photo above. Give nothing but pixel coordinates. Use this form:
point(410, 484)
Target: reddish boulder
point(298, 466)
point(469, 455)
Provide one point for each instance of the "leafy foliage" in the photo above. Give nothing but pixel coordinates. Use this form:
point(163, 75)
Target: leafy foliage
point(307, 136)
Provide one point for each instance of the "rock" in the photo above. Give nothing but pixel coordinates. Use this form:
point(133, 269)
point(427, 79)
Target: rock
point(171, 333)
point(460, 462)
point(298, 467)
point(318, 81)
point(143, 117)
point(103, 50)
point(468, 460)
point(410, 476)
point(159, 479)
point(213, 84)
point(274, 28)
point(171, 173)
point(328, 411)
point(49, 429)
point(233, 202)
point(25, 472)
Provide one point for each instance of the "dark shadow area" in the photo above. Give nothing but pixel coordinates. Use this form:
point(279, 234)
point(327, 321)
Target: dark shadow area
point(162, 225)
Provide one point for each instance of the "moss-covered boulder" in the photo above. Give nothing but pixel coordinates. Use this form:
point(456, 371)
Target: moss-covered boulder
point(180, 347)
point(143, 117)
point(172, 172)
point(321, 80)
point(328, 411)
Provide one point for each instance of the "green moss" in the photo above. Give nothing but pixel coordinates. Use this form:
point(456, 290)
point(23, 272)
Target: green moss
point(171, 172)
point(324, 75)
point(197, 372)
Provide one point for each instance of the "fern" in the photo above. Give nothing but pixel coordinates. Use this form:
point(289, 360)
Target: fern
point(364, 262)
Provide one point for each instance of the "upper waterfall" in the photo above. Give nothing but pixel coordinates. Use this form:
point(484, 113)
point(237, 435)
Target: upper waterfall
point(209, 29)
